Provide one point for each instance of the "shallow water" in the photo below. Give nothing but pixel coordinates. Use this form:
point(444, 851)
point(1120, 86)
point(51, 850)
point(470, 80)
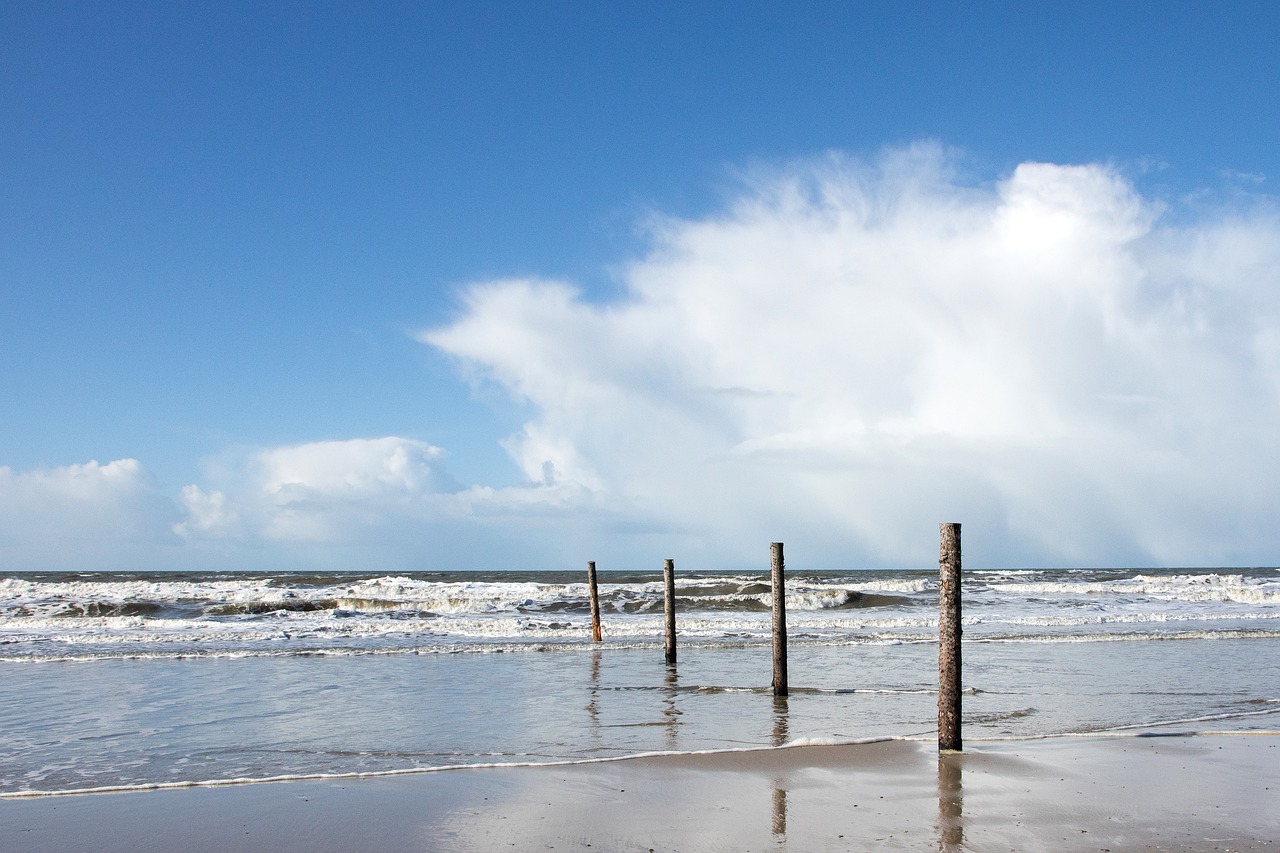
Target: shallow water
point(73, 725)
point(92, 703)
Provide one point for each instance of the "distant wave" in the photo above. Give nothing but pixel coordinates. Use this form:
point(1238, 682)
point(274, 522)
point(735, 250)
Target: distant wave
point(88, 616)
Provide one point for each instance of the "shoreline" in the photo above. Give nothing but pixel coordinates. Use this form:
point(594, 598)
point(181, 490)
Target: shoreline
point(1171, 791)
point(1147, 730)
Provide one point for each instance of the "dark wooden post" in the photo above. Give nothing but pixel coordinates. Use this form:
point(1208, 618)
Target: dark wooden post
point(669, 607)
point(779, 621)
point(595, 601)
point(949, 638)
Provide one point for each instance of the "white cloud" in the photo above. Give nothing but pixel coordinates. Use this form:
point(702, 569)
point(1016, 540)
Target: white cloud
point(852, 353)
point(383, 503)
point(86, 516)
point(319, 492)
point(843, 357)
point(358, 466)
point(207, 513)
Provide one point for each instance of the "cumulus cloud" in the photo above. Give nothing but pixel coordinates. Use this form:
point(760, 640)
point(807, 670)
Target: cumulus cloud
point(852, 352)
point(85, 516)
point(318, 492)
point(845, 355)
point(380, 503)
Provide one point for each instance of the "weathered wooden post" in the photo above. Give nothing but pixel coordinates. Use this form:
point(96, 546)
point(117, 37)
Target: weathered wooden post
point(595, 601)
point(949, 638)
point(669, 607)
point(779, 621)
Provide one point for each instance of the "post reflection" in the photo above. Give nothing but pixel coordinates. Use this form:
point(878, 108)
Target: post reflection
point(593, 706)
point(671, 713)
point(781, 734)
point(950, 803)
point(781, 721)
point(779, 822)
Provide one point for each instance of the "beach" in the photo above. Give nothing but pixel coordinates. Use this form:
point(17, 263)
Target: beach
point(1172, 793)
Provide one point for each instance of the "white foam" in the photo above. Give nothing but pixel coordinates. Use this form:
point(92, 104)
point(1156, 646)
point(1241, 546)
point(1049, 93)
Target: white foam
point(266, 615)
point(1230, 588)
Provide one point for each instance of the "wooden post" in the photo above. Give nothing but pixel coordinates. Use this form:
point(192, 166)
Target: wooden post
point(669, 607)
point(949, 638)
point(779, 622)
point(595, 601)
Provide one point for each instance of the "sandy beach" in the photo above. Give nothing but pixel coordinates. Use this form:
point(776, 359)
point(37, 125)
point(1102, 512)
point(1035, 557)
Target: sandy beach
point(1168, 793)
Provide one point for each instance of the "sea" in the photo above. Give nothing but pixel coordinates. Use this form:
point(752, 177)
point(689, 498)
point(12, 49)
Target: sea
point(138, 680)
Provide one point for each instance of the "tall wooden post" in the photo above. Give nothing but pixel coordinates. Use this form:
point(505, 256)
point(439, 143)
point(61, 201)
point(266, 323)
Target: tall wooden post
point(669, 607)
point(779, 621)
point(595, 601)
point(949, 638)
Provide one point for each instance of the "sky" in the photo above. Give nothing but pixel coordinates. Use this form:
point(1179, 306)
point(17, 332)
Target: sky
point(505, 285)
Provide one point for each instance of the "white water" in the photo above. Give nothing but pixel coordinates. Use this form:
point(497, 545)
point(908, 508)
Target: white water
point(76, 617)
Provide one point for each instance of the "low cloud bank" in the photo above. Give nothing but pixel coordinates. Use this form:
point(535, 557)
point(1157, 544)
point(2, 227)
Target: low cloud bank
point(384, 503)
point(325, 491)
point(89, 516)
point(381, 504)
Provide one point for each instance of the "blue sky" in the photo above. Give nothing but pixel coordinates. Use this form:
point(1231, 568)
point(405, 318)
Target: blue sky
point(350, 285)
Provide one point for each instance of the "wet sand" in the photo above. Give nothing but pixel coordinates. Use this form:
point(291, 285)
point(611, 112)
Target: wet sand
point(1202, 793)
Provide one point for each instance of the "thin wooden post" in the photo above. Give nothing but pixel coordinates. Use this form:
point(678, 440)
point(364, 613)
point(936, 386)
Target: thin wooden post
point(669, 607)
point(949, 631)
point(595, 601)
point(779, 621)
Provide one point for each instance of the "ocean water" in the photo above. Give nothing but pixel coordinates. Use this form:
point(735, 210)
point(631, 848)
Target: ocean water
point(143, 679)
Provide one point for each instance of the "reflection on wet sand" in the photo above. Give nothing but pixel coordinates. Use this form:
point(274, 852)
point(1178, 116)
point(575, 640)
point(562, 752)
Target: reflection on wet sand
point(779, 823)
point(780, 735)
point(950, 802)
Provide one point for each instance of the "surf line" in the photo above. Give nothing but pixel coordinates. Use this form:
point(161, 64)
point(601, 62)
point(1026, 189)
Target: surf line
point(802, 743)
